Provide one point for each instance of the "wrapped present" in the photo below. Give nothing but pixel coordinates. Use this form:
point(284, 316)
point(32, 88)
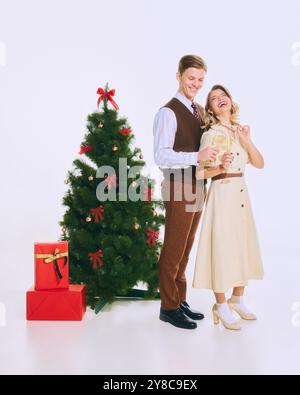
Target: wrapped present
point(56, 305)
point(51, 265)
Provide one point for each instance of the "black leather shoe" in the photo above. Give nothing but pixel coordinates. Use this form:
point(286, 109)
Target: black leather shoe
point(177, 318)
point(194, 315)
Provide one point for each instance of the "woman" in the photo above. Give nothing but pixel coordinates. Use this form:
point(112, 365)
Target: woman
point(228, 254)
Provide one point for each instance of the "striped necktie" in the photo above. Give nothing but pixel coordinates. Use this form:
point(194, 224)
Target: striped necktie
point(195, 111)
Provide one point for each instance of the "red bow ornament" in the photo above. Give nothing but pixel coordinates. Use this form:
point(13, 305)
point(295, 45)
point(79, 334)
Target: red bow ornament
point(152, 236)
point(95, 257)
point(84, 149)
point(125, 131)
point(97, 213)
point(107, 95)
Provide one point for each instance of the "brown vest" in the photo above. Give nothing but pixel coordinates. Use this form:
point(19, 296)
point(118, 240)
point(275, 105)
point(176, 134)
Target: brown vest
point(189, 132)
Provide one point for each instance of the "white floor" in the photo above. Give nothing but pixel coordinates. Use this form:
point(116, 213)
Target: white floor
point(128, 338)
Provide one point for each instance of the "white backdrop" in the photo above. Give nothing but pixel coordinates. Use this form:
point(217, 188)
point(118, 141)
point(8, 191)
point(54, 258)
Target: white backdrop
point(55, 54)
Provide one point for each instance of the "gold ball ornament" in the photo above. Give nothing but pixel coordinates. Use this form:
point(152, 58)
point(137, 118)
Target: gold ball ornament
point(136, 226)
point(91, 178)
point(115, 148)
point(100, 125)
point(88, 219)
point(66, 181)
point(141, 156)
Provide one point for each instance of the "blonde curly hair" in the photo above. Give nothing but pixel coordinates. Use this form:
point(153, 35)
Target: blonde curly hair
point(210, 118)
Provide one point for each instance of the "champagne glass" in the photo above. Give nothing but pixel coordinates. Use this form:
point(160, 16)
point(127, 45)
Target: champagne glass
point(221, 141)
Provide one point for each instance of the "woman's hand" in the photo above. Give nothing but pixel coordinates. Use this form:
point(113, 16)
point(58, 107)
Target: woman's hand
point(244, 134)
point(226, 160)
point(255, 157)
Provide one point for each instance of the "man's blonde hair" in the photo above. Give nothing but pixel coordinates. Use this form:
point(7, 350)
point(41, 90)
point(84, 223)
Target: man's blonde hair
point(188, 61)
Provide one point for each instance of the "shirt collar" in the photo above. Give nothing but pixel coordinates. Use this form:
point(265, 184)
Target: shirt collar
point(184, 100)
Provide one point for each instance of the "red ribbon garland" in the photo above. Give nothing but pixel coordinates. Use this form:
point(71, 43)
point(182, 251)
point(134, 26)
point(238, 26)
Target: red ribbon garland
point(111, 181)
point(95, 257)
point(152, 236)
point(148, 194)
point(84, 149)
point(107, 95)
point(98, 213)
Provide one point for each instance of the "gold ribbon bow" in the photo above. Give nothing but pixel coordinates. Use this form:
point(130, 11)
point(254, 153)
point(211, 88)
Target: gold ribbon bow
point(48, 258)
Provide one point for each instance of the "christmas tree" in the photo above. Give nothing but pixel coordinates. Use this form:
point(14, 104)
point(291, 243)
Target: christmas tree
point(111, 222)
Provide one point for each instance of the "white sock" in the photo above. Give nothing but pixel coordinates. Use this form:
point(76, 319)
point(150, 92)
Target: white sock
point(226, 313)
point(239, 302)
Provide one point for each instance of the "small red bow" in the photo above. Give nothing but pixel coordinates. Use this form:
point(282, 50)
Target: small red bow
point(98, 213)
point(125, 131)
point(148, 194)
point(152, 236)
point(107, 95)
point(95, 257)
point(111, 181)
point(84, 149)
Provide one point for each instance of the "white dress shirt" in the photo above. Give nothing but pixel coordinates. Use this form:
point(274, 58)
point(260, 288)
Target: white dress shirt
point(164, 130)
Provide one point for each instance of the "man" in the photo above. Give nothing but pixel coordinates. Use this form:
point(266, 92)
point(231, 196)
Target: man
point(177, 135)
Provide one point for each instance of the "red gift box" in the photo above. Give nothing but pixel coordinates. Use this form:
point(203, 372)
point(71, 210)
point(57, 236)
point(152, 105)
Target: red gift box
point(56, 305)
point(51, 265)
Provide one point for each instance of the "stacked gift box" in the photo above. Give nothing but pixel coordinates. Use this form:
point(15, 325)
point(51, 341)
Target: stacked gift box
point(53, 298)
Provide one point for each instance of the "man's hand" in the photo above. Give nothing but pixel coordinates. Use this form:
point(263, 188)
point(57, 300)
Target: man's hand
point(226, 160)
point(208, 154)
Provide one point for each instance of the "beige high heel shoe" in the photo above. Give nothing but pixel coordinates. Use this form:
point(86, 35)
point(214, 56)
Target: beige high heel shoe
point(242, 314)
point(217, 318)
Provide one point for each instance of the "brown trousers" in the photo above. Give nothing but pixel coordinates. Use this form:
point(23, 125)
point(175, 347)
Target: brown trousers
point(180, 230)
